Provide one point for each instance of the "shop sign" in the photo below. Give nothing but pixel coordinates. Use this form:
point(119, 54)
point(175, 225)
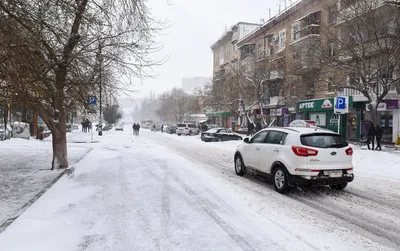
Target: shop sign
point(276, 112)
point(317, 104)
point(386, 105)
point(334, 120)
point(319, 118)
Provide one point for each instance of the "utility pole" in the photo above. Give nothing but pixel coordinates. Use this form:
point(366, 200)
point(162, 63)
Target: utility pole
point(100, 80)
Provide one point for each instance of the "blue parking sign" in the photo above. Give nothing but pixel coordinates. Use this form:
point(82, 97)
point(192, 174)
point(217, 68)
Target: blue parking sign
point(341, 103)
point(92, 100)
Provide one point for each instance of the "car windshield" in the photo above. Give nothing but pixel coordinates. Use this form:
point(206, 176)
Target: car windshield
point(213, 130)
point(323, 140)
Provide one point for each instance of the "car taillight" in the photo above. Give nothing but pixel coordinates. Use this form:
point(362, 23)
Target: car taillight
point(304, 152)
point(349, 151)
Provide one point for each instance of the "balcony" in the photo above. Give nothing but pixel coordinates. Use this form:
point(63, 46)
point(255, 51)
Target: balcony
point(306, 65)
point(359, 96)
point(359, 8)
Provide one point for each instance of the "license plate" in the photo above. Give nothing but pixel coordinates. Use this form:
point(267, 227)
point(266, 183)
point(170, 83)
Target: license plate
point(334, 173)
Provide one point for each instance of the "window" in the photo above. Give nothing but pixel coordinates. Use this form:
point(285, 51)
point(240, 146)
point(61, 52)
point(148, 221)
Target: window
point(332, 12)
point(221, 55)
point(331, 84)
point(276, 138)
point(392, 26)
point(323, 140)
point(331, 49)
point(282, 39)
point(260, 137)
point(295, 31)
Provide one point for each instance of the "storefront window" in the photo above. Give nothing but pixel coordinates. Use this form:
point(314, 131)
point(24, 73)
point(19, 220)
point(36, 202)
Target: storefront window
point(386, 119)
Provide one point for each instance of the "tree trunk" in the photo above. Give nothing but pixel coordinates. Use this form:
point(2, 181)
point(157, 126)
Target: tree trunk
point(374, 113)
point(60, 156)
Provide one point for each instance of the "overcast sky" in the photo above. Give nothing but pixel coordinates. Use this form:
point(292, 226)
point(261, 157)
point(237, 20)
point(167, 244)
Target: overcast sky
point(194, 26)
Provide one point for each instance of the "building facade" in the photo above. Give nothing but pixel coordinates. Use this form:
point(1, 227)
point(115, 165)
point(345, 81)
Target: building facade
point(293, 44)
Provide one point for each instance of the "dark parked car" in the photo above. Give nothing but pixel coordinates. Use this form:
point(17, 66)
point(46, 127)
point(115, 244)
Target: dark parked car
point(220, 134)
point(171, 129)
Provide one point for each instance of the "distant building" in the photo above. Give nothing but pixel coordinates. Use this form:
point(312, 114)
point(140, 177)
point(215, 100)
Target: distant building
point(191, 84)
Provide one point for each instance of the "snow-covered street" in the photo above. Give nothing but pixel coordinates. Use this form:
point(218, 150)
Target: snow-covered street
point(164, 192)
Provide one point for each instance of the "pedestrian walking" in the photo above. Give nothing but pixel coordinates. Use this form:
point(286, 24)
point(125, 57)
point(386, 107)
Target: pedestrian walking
point(371, 136)
point(250, 129)
point(134, 128)
point(162, 128)
point(154, 127)
point(378, 136)
point(83, 126)
point(137, 128)
point(258, 127)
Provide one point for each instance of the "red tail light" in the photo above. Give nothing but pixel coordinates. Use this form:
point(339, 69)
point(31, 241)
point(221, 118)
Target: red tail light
point(304, 152)
point(349, 151)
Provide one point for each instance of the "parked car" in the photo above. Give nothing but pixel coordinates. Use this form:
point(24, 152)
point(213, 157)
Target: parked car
point(171, 129)
point(297, 157)
point(119, 127)
point(187, 129)
point(220, 134)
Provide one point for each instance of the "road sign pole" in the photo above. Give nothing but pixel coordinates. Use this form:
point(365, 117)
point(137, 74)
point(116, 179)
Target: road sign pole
point(338, 130)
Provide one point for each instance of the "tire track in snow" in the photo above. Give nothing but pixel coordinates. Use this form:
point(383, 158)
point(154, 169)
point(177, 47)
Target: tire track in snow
point(375, 229)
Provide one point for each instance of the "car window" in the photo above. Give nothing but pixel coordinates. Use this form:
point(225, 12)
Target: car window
point(222, 131)
point(323, 140)
point(229, 131)
point(181, 125)
point(275, 137)
point(214, 130)
point(259, 138)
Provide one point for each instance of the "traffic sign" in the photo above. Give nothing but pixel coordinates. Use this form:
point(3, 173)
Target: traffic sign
point(341, 105)
point(92, 100)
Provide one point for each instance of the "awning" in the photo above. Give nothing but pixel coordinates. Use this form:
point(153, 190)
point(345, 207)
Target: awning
point(219, 114)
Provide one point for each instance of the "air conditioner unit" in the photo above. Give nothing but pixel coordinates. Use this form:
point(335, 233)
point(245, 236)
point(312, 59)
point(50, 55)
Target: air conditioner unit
point(275, 38)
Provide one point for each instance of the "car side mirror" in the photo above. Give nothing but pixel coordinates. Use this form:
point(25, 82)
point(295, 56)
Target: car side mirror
point(246, 140)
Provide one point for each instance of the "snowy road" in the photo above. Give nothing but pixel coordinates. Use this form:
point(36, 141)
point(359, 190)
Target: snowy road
point(164, 192)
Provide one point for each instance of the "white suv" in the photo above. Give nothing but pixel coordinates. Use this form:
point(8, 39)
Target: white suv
point(187, 129)
point(297, 157)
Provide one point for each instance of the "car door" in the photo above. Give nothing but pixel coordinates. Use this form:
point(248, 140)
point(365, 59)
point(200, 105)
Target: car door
point(230, 135)
point(253, 150)
point(271, 149)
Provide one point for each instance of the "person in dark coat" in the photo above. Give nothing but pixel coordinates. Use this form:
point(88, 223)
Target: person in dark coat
point(371, 136)
point(258, 127)
point(250, 129)
point(134, 126)
point(137, 128)
point(378, 136)
point(162, 128)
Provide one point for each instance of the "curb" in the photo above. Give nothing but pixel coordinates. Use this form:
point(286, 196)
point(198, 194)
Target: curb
point(9, 221)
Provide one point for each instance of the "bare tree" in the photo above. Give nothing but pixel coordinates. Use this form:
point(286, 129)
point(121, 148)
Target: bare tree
point(362, 50)
point(52, 53)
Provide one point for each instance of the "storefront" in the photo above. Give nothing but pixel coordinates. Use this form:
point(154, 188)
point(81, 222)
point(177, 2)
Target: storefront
point(222, 119)
point(388, 116)
point(322, 112)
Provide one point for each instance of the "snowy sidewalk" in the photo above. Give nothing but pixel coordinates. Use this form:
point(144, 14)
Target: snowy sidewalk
point(133, 193)
point(25, 171)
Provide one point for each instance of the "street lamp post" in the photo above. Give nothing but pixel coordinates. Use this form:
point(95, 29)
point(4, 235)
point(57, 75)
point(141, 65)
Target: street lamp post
point(100, 80)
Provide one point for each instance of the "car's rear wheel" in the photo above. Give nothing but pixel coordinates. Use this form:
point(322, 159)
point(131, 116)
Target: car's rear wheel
point(339, 186)
point(190, 133)
point(220, 140)
point(239, 166)
point(280, 179)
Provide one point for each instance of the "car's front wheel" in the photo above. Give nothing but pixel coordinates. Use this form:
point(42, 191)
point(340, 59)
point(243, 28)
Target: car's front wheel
point(280, 179)
point(339, 186)
point(239, 166)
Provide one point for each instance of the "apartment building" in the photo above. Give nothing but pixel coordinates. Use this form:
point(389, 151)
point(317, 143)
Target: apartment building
point(300, 86)
point(225, 56)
